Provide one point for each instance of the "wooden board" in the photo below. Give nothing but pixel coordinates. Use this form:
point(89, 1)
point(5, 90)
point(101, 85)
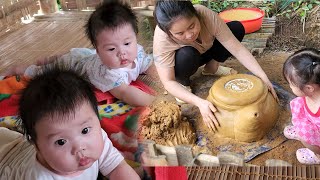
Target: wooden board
point(228, 172)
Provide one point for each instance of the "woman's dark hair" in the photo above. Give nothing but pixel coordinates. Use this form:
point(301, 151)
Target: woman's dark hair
point(111, 15)
point(54, 93)
point(303, 67)
point(168, 11)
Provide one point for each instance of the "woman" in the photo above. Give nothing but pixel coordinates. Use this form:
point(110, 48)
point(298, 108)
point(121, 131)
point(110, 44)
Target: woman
point(187, 37)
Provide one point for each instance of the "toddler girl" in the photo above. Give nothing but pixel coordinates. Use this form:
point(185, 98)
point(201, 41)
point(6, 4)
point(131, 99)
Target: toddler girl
point(302, 71)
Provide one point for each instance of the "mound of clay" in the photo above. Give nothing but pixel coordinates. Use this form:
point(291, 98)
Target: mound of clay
point(164, 125)
point(246, 109)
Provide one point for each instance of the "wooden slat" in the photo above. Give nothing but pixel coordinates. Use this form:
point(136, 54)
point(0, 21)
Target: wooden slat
point(227, 172)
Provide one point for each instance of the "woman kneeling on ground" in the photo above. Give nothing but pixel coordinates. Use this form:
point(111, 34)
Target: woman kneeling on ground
point(187, 37)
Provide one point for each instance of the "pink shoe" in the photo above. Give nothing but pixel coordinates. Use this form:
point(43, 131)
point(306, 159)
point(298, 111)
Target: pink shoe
point(290, 132)
point(306, 156)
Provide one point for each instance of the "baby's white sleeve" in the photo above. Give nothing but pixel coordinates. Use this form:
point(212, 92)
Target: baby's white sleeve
point(110, 157)
point(69, 60)
point(145, 60)
point(32, 70)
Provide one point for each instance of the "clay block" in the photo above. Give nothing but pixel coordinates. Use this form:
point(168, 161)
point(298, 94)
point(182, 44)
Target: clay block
point(170, 153)
point(207, 160)
point(149, 148)
point(277, 162)
point(231, 158)
point(155, 161)
point(184, 154)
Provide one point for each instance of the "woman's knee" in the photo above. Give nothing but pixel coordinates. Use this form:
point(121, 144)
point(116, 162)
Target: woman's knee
point(187, 61)
point(237, 29)
point(187, 57)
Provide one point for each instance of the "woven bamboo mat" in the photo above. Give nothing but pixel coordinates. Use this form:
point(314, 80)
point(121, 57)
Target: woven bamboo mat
point(227, 172)
point(40, 39)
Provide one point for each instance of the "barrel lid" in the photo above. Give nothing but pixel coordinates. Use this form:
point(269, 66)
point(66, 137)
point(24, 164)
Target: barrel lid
point(236, 90)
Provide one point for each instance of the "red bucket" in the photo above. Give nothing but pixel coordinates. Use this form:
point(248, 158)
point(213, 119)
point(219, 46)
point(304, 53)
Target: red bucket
point(251, 18)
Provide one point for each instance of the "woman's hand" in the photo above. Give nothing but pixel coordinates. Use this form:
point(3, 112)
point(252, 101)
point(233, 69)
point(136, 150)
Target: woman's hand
point(247, 59)
point(271, 89)
point(207, 109)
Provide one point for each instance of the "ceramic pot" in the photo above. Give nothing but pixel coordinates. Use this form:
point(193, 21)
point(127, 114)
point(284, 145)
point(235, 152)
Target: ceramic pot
point(246, 109)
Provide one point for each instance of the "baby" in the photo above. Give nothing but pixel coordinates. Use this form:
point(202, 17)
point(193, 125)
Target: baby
point(59, 116)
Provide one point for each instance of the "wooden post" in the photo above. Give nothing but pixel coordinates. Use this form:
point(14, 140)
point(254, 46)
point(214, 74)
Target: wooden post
point(81, 4)
point(63, 5)
point(48, 6)
point(121, 1)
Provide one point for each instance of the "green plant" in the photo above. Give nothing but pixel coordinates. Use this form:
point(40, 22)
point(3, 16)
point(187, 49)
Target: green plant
point(196, 1)
point(59, 5)
point(300, 8)
point(268, 7)
point(219, 6)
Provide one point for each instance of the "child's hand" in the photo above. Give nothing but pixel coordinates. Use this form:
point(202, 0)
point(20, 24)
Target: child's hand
point(14, 70)
point(42, 61)
point(47, 60)
point(132, 95)
point(207, 109)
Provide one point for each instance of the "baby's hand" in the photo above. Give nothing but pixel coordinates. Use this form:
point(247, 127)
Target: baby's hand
point(47, 60)
point(42, 61)
point(14, 70)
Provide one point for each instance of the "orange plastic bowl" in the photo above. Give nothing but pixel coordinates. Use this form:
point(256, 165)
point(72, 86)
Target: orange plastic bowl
point(251, 18)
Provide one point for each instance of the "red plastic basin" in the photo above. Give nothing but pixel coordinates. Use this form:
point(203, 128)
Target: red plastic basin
point(251, 18)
